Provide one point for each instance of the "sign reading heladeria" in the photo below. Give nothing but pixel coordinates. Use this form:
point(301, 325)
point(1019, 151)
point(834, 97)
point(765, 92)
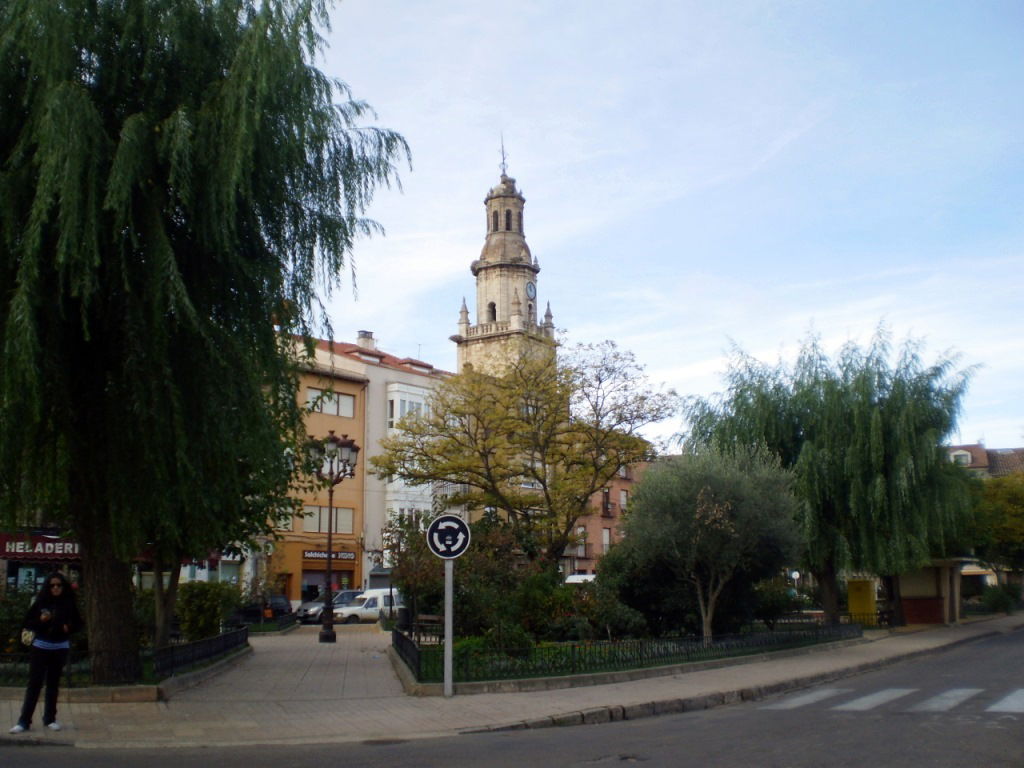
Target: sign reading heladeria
point(36, 547)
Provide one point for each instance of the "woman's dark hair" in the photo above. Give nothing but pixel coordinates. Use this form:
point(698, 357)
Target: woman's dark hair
point(65, 592)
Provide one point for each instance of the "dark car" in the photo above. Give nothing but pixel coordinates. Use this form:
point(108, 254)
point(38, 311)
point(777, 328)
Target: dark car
point(312, 612)
point(254, 613)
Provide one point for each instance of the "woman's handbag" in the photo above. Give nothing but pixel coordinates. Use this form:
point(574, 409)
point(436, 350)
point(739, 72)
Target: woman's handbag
point(27, 636)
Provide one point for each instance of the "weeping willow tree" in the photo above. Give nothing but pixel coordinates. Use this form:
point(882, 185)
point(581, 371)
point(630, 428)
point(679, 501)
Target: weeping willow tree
point(176, 180)
point(863, 434)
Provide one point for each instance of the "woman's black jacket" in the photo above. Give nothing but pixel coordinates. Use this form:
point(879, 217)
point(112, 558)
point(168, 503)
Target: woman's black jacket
point(65, 613)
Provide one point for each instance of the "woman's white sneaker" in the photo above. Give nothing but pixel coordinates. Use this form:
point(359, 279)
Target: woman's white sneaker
point(19, 728)
point(54, 726)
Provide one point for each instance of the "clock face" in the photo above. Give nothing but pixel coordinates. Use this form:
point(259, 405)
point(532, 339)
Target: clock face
point(531, 291)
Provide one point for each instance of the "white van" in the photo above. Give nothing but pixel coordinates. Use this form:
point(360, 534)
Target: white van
point(369, 606)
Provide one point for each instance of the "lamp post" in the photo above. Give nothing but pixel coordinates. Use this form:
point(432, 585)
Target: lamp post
point(335, 459)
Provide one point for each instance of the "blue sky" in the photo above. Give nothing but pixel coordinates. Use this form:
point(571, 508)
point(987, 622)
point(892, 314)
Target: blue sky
point(700, 173)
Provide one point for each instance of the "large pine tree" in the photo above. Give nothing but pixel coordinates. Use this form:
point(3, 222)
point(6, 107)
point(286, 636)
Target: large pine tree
point(176, 180)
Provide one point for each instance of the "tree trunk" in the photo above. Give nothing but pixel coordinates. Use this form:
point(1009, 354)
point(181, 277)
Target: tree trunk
point(895, 597)
point(828, 583)
point(707, 615)
point(164, 599)
point(109, 613)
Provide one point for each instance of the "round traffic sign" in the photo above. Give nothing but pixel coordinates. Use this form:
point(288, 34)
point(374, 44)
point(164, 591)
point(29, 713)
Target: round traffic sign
point(448, 536)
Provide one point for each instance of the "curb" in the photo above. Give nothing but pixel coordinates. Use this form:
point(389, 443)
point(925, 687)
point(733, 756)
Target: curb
point(615, 713)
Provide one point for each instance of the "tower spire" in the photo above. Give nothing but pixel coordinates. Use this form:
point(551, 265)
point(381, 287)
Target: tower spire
point(504, 157)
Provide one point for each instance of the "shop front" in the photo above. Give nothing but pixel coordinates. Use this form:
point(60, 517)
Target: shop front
point(27, 558)
point(314, 571)
point(301, 568)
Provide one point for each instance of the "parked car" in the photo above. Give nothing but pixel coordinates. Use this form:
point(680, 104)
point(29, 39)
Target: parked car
point(311, 612)
point(369, 606)
point(255, 612)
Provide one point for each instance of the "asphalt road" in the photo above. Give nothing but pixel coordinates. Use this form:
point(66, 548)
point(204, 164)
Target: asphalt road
point(961, 707)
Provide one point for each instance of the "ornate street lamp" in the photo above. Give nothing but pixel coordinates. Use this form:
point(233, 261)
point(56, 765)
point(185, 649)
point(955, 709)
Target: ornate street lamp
point(334, 459)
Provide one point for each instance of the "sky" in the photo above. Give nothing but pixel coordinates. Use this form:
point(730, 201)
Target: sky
point(700, 175)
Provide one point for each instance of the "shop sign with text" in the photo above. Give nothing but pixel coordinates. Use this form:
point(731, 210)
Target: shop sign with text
point(13, 546)
point(319, 554)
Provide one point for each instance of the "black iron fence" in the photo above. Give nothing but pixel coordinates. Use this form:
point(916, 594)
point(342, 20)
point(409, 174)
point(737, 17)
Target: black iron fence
point(173, 659)
point(407, 651)
point(182, 657)
point(558, 659)
point(14, 669)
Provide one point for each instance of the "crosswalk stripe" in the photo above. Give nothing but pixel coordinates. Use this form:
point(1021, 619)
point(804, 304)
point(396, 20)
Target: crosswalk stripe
point(874, 700)
point(1012, 703)
point(807, 698)
point(947, 700)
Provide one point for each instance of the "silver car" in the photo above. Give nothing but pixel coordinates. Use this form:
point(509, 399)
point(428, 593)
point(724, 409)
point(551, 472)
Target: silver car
point(312, 612)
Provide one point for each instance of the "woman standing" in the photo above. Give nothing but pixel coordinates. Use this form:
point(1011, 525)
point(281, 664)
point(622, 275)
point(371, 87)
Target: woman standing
point(53, 617)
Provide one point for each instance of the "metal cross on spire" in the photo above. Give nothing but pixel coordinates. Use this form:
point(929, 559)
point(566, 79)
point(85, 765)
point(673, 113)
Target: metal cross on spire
point(504, 157)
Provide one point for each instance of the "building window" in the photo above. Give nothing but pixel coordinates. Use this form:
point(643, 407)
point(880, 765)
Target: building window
point(400, 408)
point(606, 539)
point(492, 312)
point(961, 458)
point(520, 221)
point(315, 519)
point(508, 220)
point(330, 403)
point(494, 221)
point(581, 535)
point(623, 499)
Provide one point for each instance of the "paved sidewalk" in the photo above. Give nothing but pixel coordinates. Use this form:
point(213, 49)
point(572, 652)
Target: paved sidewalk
point(292, 689)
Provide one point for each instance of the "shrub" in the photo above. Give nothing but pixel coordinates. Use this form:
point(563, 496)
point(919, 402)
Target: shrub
point(1013, 590)
point(773, 601)
point(997, 600)
point(510, 639)
point(202, 607)
point(14, 603)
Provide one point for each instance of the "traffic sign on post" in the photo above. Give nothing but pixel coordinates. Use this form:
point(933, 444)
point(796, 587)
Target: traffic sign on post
point(448, 537)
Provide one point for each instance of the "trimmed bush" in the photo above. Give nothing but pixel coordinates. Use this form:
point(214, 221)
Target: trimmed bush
point(203, 606)
point(997, 600)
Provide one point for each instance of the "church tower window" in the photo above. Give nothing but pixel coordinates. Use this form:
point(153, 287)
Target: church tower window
point(508, 220)
point(520, 221)
point(494, 221)
point(492, 313)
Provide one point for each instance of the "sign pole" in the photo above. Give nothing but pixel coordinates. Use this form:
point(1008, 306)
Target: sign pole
point(448, 537)
point(449, 588)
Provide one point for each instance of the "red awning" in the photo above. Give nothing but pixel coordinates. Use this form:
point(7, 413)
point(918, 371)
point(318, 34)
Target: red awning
point(35, 546)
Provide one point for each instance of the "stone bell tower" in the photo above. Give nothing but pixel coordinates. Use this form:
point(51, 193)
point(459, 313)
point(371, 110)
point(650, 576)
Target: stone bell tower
point(507, 299)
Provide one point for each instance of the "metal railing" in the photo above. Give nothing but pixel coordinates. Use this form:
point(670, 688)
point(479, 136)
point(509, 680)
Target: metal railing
point(182, 657)
point(14, 669)
point(407, 651)
point(561, 659)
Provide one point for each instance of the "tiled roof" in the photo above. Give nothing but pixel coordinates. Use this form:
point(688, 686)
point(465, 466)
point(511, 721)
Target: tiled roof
point(1005, 461)
point(993, 462)
point(377, 357)
point(979, 456)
